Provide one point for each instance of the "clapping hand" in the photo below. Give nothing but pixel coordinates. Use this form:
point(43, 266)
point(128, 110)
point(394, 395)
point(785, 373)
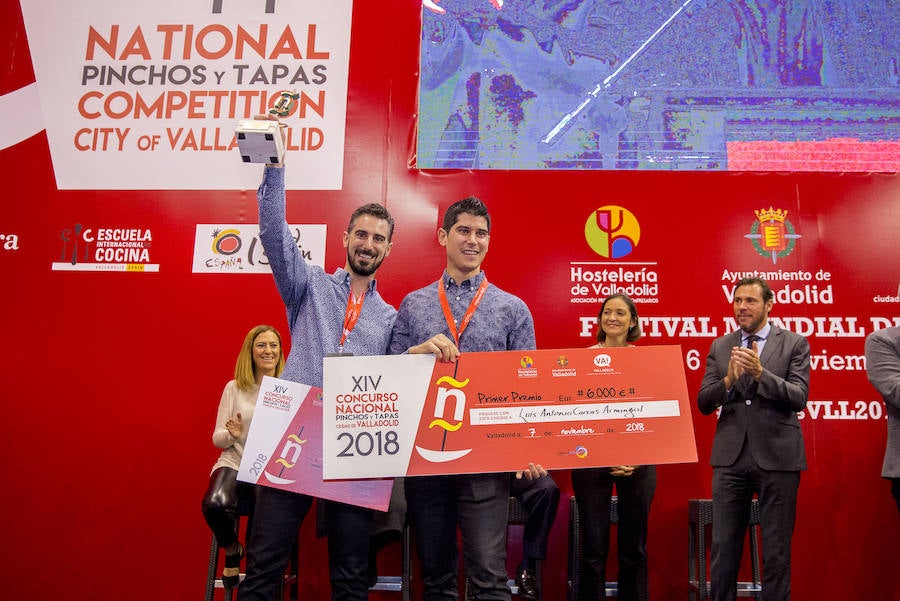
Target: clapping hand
point(235, 425)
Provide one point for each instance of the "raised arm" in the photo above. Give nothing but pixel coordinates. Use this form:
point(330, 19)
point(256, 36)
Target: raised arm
point(288, 265)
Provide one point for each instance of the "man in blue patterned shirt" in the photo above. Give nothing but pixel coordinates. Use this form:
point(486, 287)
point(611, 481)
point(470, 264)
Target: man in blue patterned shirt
point(338, 313)
point(461, 312)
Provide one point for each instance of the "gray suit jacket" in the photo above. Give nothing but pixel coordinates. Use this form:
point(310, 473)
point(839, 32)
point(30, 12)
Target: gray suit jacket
point(768, 418)
point(883, 366)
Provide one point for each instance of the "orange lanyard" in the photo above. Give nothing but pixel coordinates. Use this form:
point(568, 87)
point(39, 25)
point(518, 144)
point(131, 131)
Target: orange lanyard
point(448, 314)
point(354, 308)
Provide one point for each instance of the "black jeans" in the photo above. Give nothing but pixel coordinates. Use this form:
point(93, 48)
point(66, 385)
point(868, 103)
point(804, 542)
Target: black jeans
point(479, 505)
point(277, 519)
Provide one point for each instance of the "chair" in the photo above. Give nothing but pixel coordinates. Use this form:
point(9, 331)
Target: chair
point(517, 517)
point(699, 520)
point(403, 582)
point(213, 581)
point(612, 588)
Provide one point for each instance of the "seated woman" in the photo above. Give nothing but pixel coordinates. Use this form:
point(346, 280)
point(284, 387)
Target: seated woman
point(260, 355)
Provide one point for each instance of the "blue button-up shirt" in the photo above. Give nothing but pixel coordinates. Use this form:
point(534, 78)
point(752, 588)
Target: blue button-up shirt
point(316, 302)
point(502, 321)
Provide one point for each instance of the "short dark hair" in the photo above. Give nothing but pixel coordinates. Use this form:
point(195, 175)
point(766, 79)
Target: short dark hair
point(634, 332)
point(375, 210)
point(470, 205)
point(767, 293)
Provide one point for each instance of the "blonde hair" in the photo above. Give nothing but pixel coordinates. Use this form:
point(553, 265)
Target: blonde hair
point(245, 369)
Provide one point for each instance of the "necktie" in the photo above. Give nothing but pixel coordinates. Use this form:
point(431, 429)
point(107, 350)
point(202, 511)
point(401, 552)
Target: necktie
point(751, 389)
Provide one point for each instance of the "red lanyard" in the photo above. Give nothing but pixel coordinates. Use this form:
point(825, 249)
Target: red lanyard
point(354, 308)
point(448, 314)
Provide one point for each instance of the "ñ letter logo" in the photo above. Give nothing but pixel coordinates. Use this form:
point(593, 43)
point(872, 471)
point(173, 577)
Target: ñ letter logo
point(457, 397)
point(290, 453)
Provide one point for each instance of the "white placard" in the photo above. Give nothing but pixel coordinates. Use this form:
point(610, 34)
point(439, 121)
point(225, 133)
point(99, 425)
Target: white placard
point(147, 95)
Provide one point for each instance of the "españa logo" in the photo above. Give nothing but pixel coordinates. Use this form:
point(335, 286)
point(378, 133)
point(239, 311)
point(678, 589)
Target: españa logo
point(236, 248)
point(612, 232)
point(772, 234)
point(226, 242)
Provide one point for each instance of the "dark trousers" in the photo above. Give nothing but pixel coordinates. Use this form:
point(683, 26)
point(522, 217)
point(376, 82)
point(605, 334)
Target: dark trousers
point(479, 505)
point(276, 521)
point(732, 492)
point(219, 505)
point(349, 533)
point(540, 498)
point(593, 488)
point(895, 490)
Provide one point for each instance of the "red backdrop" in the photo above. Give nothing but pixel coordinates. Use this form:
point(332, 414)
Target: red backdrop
point(112, 379)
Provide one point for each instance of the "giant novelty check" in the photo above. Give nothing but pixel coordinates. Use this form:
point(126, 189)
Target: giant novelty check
point(407, 415)
point(284, 448)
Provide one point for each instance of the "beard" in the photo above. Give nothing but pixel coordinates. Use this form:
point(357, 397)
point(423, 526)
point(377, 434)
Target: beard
point(361, 269)
point(753, 325)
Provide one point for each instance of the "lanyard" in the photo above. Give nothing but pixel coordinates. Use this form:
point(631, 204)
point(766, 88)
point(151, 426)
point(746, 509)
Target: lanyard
point(448, 314)
point(354, 308)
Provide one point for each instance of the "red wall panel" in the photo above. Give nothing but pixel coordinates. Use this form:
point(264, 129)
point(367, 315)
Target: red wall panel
point(112, 379)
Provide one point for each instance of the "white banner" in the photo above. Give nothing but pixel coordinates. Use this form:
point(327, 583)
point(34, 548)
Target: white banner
point(236, 248)
point(146, 95)
point(371, 412)
point(589, 412)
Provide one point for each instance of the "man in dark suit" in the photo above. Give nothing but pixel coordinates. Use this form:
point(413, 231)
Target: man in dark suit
point(758, 378)
point(883, 367)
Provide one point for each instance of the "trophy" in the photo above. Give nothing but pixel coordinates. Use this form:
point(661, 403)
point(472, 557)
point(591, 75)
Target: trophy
point(284, 104)
point(261, 140)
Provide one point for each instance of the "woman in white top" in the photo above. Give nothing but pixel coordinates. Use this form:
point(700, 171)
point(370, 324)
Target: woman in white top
point(261, 355)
